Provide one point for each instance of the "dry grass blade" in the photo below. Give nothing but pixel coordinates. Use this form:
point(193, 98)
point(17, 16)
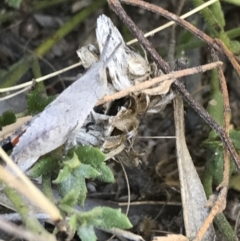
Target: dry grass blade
point(29, 83)
point(192, 192)
point(22, 232)
point(27, 188)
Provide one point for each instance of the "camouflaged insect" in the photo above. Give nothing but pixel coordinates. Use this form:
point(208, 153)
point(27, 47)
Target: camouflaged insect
point(66, 114)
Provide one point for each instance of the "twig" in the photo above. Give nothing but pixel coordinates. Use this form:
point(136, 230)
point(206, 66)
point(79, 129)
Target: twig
point(186, 15)
point(229, 55)
point(171, 17)
point(168, 77)
point(218, 207)
point(116, 6)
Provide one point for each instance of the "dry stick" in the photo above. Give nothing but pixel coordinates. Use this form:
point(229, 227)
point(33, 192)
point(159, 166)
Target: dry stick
point(229, 55)
point(168, 77)
point(116, 6)
point(173, 17)
point(217, 44)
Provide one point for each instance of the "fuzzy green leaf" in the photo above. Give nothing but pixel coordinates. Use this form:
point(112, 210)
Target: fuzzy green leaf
point(7, 118)
point(73, 162)
point(70, 199)
point(68, 169)
point(106, 174)
point(94, 157)
point(90, 155)
point(63, 175)
point(37, 101)
point(114, 218)
point(45, 165)
point(76, 185)
point(105, 218)
point(73, 222)
point(86, 233)
point(86, 171)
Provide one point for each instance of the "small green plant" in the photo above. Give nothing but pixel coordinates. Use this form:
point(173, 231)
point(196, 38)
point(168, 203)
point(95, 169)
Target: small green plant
point(82, 163)
point(37, 100)
point(7, 118)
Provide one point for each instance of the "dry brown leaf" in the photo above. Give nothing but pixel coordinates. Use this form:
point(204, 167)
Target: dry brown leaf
point(161, 89)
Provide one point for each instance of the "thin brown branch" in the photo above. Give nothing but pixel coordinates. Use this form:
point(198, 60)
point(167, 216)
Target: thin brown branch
point(168, 77)
point(229, 55)
point(173, 17)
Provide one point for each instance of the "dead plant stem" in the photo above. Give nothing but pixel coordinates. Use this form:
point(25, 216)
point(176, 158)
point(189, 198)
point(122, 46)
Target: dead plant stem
point(116, 6)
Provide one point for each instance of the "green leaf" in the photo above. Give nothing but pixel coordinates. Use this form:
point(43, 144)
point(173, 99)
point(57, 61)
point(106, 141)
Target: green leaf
point(85, 162)
point(86, 233)
point(215, 165)
point(74, 184)
point(114, 218)
point(70, 199)
point(7, 118)
point(216, 10)
point(37, 101)
point(73, 162)
point(95, 158)
point(73, 222)
point(235, 137)
point(90, 155)
point(63, 175)
point(86, 171)
point(105, 218)
point(106, 174)
point(14, 3)
point(46, 165)
point(68, 169)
